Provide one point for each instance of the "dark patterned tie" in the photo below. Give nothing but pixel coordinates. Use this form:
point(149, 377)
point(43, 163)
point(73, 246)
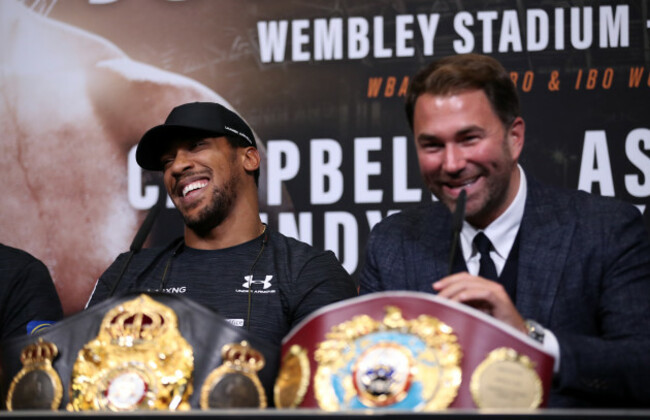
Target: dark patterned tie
point(483, 244)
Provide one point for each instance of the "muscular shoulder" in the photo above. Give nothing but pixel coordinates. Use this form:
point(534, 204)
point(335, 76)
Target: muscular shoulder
point(153, 92)
point(309, 278)
point(139, 261)
point(304, 267)
point(294, 255)
point(133, 266)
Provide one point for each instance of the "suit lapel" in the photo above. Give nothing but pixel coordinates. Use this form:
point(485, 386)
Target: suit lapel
point(432, 247)
point(546, 234)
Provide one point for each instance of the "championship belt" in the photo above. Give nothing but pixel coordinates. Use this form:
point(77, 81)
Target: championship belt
point(409, 351)
point(137, 352)
point(139, 360)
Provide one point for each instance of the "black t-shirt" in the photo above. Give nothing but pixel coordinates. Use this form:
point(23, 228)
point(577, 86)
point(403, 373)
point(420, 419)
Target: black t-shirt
point(26, 293)
point(281, 280)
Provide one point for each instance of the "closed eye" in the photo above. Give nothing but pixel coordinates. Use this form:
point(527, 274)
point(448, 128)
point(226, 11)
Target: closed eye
point(198, 143)
point(430, 143)
point(470, 138)
point(470, 135)
point(432, 146)
point(166, 161)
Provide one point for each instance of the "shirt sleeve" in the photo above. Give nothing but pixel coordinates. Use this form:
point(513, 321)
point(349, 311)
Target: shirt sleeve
point(31, 297)
point(321, 281)
point(552, 346)
point(610, 361)
point(104, 284)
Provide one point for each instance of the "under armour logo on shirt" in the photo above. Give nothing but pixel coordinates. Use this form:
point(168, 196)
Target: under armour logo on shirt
point(249, 281)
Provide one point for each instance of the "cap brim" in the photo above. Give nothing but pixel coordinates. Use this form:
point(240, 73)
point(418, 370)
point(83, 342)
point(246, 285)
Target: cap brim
point(156, 141)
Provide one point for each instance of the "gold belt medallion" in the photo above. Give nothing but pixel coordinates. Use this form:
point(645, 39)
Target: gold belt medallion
point(139, 360)
point(394, 363)
point(235, 383)
point(506, 379)
point(36, 386)
point(293, 378)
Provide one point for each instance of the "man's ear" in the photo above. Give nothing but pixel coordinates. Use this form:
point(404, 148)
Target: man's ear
point(251, 159)
point(516, 135)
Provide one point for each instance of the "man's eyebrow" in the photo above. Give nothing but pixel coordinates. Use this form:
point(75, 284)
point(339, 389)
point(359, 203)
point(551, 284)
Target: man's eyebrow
point(167, 153)
point(427, 137)
point(469, 129)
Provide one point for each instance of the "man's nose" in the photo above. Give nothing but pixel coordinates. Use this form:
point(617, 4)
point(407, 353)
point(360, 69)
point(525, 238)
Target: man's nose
point(181, 162)
point(453, 159)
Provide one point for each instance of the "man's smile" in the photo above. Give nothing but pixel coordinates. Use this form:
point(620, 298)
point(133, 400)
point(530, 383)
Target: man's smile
point(453, 188)
point(190, 186)
point(193, 186)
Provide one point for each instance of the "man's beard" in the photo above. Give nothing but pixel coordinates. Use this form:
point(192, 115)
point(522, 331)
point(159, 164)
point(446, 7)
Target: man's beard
point(216, 211)
point(493, 197)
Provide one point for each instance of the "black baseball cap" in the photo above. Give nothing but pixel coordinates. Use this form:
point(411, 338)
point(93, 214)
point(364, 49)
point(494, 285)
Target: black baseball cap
point(196, 119)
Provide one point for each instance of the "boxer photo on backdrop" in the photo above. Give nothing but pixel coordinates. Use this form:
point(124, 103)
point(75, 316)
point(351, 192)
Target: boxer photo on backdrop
point(568, 268)
point(227, 260)
point(76, 220)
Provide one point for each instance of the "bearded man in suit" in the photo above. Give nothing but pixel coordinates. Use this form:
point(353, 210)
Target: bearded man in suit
point(570, 269)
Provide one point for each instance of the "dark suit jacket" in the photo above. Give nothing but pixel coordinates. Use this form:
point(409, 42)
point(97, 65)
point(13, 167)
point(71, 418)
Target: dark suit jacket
point(584, 273)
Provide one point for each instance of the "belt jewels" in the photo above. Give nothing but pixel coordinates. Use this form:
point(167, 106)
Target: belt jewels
point(402, 350)
point(409, 364)
point(139, 360)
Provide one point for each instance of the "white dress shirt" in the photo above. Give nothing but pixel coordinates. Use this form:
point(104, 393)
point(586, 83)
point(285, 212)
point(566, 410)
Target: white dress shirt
point(502, 232)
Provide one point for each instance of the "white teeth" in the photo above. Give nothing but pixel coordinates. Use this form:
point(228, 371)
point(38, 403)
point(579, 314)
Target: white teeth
point(466, 183)
point(194, 186)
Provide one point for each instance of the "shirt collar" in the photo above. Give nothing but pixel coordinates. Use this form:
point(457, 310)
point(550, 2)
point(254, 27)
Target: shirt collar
point(502, 232)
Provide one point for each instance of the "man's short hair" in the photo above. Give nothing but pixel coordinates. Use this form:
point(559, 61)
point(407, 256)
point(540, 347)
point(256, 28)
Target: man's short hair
point(459, 73)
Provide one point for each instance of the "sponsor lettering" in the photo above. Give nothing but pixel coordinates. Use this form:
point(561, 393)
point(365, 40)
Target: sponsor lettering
point(342, 230)
point(237, 322)
point(404, 35)
point(177, 290)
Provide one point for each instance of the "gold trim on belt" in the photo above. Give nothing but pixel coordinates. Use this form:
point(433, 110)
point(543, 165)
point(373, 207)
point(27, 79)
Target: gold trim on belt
point(139, 360)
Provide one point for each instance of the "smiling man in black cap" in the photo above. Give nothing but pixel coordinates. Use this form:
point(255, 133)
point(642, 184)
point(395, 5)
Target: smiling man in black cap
point(228, 259)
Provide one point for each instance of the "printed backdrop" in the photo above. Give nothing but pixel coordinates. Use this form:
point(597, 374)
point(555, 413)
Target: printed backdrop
point(322, 83)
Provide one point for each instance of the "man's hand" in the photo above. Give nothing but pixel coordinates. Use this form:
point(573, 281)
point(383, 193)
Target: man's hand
point(482, 294)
